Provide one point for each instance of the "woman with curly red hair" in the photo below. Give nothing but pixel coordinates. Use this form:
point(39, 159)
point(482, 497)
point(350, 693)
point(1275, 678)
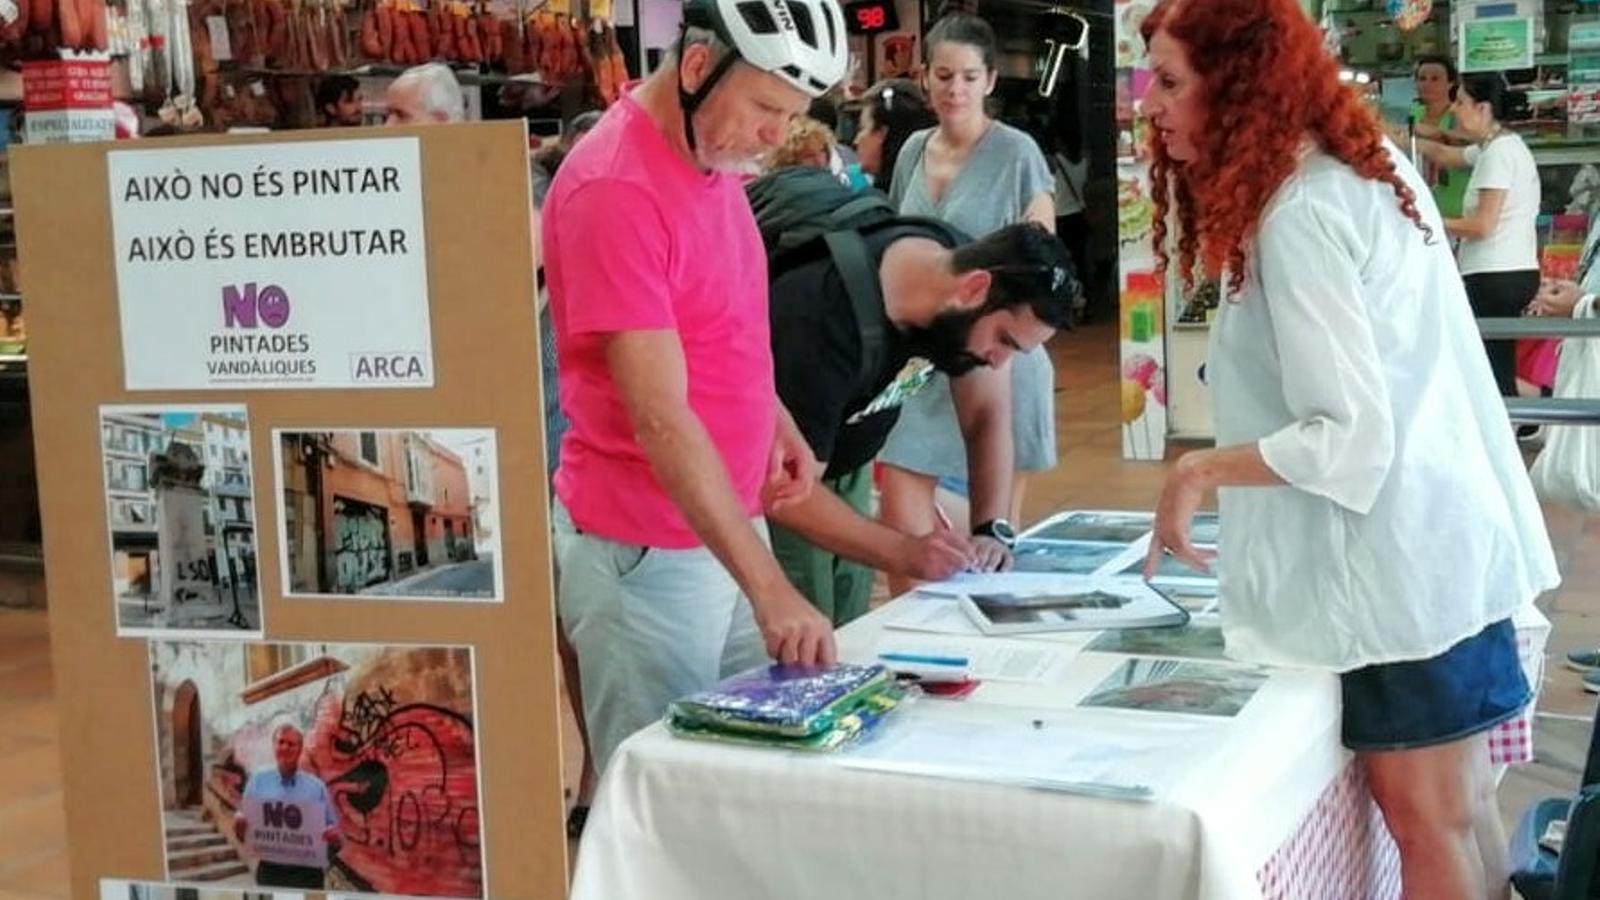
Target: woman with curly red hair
point(1380, 522)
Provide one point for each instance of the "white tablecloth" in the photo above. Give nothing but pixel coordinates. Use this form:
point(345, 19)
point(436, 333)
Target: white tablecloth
point(1242, 801)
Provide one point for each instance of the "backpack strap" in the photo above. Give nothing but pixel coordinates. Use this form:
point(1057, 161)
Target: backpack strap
point(839, 219)
point(848, 251)
point(863, 202)
point(948, 234)
point(860, 277)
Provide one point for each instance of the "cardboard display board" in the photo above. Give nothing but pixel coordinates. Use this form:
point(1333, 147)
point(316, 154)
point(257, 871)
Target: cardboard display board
point(306, 599)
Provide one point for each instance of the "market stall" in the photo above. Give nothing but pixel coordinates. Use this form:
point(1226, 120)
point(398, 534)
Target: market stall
point(1119, 764)
point(1549, 52)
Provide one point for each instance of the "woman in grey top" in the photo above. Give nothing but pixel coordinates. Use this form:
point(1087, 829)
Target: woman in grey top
point(979, 175)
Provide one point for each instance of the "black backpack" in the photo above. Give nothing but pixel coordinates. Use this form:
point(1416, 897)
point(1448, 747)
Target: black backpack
point(804, 212)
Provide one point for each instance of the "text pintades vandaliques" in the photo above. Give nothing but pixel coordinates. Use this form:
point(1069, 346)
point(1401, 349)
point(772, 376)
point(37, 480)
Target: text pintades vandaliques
point(261, 356)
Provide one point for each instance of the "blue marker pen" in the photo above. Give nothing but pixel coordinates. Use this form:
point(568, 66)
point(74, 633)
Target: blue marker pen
point(923, 659)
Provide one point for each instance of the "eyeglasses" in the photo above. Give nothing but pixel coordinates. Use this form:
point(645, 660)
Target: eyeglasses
point(1058, 275)
point(1056, 48)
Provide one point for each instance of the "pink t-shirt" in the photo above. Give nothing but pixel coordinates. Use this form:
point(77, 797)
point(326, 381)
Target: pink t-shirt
point(637, 239)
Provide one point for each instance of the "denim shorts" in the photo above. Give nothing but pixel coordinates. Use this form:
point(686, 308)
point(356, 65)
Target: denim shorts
point(1470, 688)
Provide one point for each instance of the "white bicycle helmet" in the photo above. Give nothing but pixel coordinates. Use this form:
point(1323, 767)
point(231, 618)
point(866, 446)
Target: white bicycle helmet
point(801, 41)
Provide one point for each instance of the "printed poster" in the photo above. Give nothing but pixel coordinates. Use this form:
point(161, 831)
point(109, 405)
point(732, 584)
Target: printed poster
point(285, 266)
point(1496, 45)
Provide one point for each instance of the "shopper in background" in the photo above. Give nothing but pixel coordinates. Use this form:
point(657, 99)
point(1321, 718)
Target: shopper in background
point(842, 157)
point(807, 142)
point(546, 160)
point(892, 112)
point(425, 94)
point(977, 174)
point(658, 288)
point(1383, 525)
point(1499, 252)
point(1561, 298)
point(338, 99)
point(1433, 118)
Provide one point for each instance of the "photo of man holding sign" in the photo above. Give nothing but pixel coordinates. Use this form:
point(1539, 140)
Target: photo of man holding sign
point(287, 819)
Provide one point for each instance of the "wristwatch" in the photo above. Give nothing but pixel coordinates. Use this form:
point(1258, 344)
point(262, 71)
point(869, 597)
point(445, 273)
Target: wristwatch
point(999, 529)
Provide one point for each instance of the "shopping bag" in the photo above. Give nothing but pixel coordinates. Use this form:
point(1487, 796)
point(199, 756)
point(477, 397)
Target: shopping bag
point(1568, 468)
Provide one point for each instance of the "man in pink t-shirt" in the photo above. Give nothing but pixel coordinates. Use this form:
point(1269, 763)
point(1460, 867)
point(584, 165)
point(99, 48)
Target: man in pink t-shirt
point(658, 290)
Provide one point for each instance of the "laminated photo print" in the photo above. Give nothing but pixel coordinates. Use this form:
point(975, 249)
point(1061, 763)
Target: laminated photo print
point(1199, 639)
point(1174, 686)
point(319, 766)
point(1066, 557)
point(389, 513)
point(181, 513)
point(117, 889)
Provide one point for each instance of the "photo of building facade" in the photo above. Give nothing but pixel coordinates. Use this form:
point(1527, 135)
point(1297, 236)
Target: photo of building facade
point(190, 471)
point(389, 512)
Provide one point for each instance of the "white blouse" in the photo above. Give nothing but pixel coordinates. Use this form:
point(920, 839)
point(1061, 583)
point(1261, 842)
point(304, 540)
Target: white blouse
point(1512, 244)
point(1352, 359)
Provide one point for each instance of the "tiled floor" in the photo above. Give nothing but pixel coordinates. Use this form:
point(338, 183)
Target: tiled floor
point(1091, 473)
point(33, 829)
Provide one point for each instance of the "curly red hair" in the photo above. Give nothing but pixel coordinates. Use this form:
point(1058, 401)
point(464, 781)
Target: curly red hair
point(1267, 84)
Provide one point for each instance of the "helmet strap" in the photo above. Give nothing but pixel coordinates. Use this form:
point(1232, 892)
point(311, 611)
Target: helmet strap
point(688, 103)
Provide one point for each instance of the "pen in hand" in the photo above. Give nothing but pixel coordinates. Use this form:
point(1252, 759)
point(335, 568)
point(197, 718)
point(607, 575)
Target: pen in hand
point(947, 525)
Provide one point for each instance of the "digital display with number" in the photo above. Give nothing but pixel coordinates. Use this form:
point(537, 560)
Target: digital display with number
point(871, 16)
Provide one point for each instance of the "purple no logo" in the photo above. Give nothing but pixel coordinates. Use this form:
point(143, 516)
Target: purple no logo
point(244, 307)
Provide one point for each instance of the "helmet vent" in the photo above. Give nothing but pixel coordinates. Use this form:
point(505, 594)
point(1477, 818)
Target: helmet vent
point(758, 16)
point(803, 23)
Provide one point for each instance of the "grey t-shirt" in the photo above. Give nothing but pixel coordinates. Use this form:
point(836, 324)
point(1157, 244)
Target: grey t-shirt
point(993, 189)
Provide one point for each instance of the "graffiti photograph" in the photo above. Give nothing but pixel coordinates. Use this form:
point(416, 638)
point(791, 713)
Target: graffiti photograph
point(181, 514)
point(398, 514)
point(350, 768)
point(112, 889)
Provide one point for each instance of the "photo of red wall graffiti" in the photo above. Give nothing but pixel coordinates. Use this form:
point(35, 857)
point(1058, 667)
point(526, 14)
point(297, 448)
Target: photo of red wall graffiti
point(405, 782)
point(393, 740)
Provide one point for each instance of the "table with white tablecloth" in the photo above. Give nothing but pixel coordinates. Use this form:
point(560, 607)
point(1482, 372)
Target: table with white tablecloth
point(1264, 804)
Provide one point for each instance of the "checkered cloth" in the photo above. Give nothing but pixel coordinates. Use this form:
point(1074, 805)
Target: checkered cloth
point(1340, 851)
point(1512, 741)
